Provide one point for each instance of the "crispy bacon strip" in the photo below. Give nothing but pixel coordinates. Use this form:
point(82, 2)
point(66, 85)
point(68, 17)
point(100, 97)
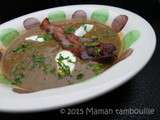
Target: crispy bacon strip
point(73, 43)
point(70, 42)
point(56, 31)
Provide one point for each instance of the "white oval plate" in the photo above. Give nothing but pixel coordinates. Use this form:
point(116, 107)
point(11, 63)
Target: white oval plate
point(109, 80)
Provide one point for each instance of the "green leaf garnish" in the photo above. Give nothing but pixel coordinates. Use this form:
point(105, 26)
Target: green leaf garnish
point(97, 68)
point(64, 70)
point(80, 76)
point(48, 69)
point(23, 47)
point(17, 72)
point(97, 51)
point(84, 27)
point(69, 30)
point(18, 79)
point(38, 60)
point(46, 36)
point(69, 60)
point(90, 44)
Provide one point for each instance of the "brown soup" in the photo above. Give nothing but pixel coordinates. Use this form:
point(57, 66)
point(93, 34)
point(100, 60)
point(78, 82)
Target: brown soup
point(31, 65)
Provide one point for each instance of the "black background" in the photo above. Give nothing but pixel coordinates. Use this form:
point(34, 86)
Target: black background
point(142, 91)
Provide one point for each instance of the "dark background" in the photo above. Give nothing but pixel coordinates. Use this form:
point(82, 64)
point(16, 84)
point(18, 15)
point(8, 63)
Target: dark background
point(142, 91)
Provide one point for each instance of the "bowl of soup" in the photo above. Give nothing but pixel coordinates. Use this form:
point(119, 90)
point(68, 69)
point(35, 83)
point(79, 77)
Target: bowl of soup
point(64, 55)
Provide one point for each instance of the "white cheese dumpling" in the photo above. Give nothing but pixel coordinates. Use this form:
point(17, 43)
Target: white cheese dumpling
point(83, 29)
point(65, 62)
point(35, 38)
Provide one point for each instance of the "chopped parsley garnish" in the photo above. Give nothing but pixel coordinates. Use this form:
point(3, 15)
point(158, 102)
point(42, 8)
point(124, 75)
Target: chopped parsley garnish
point(69, 60)
point(99, 36)
point(90, 44)
point(94, 37)
point(21, 48)
point(38, 60)
point(97, 51)
point(84, 27)
point(69, 30)
point(18, 79)
point(48, 69)
point(17, 72)
point(45, 36)
point(80, 76)
point(97, 68)
point(63, 69)
point(61, 58)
